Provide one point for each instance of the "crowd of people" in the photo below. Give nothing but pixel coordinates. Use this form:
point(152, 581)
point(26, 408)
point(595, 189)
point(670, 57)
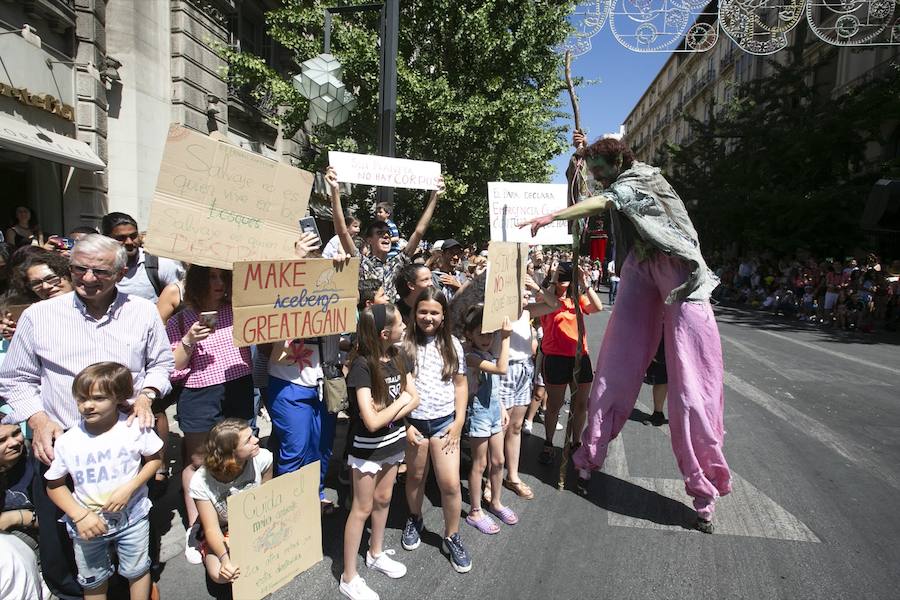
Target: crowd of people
point(100, 338)
point(857, 293)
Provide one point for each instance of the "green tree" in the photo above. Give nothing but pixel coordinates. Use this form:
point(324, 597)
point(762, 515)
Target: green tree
point(478, 88)
point(788, 162)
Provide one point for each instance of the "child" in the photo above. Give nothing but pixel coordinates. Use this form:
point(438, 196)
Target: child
point(487, 419)
point(433, 429)
point(383, 211)
point(110, 463)
point(383, 393)
point(233, 462)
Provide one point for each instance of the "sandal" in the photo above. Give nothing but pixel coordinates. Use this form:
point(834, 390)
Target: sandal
point(519, 488)
point(483, 523)
point(506, 515)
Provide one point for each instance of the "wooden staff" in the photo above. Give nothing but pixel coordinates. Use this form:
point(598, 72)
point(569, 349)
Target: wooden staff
point(575, 188)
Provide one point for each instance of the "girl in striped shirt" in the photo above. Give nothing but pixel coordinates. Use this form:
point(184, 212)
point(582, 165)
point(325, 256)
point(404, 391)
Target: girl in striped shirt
point(383, 392)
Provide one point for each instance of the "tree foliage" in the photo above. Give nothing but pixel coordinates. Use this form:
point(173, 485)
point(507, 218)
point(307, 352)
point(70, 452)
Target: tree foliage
point(788, 162)
point(478, 87)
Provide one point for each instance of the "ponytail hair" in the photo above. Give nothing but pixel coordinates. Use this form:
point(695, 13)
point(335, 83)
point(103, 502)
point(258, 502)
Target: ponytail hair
point(221, 443)
point(372, 321)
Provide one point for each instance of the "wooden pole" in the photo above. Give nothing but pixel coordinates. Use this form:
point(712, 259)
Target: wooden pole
point(577, 228)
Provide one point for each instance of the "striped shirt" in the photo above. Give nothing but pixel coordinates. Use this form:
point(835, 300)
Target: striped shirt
point(57, 338)
point(388, 441)
point(215, 360)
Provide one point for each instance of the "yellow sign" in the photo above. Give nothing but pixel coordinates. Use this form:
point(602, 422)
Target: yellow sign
point(275, 532)
point(216, 204)
point(505, 280)
point(285, 300)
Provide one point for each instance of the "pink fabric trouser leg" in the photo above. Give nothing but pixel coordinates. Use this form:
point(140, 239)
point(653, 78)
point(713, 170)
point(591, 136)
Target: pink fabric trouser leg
point(694, 364)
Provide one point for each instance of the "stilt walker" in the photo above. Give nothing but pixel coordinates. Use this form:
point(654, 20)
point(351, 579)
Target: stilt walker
point(665, 286)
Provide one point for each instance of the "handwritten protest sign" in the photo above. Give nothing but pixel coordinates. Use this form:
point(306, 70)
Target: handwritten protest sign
point(510, 203)
point(503, 288)
point(216, 204)
point(283, 300)
point(275, 532)
point(381, 170)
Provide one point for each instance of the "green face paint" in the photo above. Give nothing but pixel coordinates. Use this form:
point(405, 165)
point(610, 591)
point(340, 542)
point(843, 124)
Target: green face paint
point(602, 169)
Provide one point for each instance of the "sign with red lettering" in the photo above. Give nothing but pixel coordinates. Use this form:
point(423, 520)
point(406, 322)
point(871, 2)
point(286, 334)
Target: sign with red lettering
point(291, 299)
point(216, 204)
point(275, 532)
point(510, 203)
point(505, 284)
point(388, 172)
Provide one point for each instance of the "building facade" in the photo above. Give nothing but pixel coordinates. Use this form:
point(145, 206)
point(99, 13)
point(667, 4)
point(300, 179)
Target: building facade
point(700, 84)
point(91, 86)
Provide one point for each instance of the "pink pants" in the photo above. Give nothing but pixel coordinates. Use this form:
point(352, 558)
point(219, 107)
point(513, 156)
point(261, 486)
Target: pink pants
point(694, 364)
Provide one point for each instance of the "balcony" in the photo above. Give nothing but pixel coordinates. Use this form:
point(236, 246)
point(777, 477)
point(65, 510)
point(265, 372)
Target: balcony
point(727, 60)
point(259, 99)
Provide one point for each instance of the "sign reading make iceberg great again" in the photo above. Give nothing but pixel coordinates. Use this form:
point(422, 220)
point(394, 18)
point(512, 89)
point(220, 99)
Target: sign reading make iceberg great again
point(216, 204)
point(291, 299)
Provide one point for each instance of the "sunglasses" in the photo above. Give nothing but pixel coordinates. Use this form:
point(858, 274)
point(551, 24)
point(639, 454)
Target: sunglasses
point(49, 280)
point(98, 273)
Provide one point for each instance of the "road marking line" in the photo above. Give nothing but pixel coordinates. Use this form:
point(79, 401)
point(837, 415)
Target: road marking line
point(745, 512)
point(806, 424)
point(861, 361)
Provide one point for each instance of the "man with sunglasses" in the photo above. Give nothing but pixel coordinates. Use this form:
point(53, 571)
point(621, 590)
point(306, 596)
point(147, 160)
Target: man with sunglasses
point(378, 264)
point(147, 274)
point(54, 341)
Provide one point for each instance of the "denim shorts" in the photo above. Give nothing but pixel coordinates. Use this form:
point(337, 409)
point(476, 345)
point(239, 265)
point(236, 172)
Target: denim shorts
point(132, 546)
point(201, 408)
point(484, 418)
point(430, 428)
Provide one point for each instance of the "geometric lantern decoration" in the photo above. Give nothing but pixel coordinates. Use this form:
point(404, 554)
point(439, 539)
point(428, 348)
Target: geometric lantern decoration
point(319, 76)
point(320, 82)
point(331, 110)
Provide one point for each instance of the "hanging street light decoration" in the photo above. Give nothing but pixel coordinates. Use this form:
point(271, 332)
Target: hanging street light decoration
point(319, 81)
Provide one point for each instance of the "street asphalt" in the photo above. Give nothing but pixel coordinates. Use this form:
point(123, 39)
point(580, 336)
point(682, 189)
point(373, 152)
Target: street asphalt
point(813, 440)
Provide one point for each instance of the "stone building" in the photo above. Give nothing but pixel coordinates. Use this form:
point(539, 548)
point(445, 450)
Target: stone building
point(89, 88)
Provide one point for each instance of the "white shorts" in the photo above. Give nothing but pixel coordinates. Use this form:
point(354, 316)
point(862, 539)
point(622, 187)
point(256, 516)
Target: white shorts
point(373, 466)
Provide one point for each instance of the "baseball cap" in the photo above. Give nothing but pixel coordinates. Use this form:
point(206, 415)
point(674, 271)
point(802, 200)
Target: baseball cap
point(451, 243)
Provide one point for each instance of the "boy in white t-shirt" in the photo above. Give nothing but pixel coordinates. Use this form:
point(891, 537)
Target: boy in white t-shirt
point(109, 461)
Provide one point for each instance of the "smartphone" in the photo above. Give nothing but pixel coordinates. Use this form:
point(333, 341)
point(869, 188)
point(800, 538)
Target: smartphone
point(209, 319)
point(68, 243)
point(308, 225)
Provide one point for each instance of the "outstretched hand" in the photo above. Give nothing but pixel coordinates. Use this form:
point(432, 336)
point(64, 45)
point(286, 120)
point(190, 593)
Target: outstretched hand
point(536, 223)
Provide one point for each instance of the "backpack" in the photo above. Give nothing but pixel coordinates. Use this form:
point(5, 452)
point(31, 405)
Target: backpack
point(151, 266)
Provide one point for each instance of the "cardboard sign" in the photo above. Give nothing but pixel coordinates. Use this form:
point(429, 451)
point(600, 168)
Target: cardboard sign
point(284, 300)
point(216, 204)
point(389, 172)
point(511, 203)
point(504, 285)
point(275, 532)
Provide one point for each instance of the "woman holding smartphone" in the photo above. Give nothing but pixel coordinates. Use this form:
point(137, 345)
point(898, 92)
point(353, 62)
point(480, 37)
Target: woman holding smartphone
point(216, 376)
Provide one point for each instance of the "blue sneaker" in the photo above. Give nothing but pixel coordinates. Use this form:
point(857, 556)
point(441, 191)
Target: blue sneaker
point(459, 558)
point(410, 539)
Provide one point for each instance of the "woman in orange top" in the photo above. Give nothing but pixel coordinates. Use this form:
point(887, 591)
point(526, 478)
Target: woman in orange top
point(559, 348)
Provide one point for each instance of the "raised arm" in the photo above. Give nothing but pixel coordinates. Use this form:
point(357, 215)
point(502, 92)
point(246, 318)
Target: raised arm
point(337, 213)
point(424, 220)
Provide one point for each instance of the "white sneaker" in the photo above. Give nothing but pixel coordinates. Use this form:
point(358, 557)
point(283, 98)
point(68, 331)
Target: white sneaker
point(357, 589)
point(527, 426)
point(191, 553)
point(387, 565)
